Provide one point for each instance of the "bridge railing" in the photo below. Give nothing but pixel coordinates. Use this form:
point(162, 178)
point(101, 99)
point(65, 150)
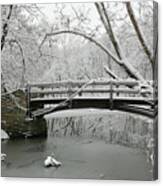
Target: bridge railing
point(96, 88)
point(97, 93)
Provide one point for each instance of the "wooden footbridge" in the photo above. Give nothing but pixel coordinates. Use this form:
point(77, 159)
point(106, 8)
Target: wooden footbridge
point(128, 96)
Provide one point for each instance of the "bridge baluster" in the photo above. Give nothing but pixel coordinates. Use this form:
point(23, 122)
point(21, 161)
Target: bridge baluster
point(28, 98)
point(111, 95)
point(117, 86)
point(70, 92)
point(80, 93)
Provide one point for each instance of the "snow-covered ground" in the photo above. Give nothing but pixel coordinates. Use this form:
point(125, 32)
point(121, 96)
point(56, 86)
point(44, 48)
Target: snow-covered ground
point(78, 112)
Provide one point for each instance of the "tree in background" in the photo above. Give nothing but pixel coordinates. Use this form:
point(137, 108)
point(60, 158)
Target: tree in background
point(78, 42)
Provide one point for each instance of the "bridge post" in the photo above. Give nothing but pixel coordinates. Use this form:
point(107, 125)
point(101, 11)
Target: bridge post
point(28, 97)
point(117, 86)
point(70, 92)
point(80, 93)
point(111, 95)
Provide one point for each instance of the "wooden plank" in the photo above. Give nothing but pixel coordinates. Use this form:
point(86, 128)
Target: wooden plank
point(95, 98)
point(138, 110)
point(92, 101)
point(101, 105)
point(65, 91)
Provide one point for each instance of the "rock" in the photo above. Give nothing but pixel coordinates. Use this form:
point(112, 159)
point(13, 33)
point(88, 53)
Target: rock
point(14, 120)
point(50, 161)
point(87, 141)
point(3, 157)
point(101, 176)
point(4, 135)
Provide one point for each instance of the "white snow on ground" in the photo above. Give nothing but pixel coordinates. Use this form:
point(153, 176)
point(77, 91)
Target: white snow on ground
point(77, 112)
point(86, 112)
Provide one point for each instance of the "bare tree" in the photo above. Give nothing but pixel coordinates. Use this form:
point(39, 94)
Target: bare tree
point(124, 63)
point(5, 29)
point(18, 43)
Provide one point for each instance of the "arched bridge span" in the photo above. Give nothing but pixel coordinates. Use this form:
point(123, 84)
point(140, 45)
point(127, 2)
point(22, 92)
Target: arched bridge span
point(128, 96)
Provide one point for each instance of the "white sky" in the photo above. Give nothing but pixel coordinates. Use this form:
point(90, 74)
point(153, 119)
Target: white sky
point(48, 10)
point(51, 17)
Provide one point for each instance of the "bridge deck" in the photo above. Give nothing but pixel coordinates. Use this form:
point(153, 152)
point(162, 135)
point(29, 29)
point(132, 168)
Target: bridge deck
point(128, 104)
point(129, 100)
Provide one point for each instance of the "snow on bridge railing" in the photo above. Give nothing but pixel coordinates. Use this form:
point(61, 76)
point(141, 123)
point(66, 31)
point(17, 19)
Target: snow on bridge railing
point(86, 90)
point(80, 83)
point(99, 87)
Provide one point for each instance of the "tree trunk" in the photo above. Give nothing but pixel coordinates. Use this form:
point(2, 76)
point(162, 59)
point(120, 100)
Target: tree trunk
point(138, 32)
point(131, 71)
point(5, 27)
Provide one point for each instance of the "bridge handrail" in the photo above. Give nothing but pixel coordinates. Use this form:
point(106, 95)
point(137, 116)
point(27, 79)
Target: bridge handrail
point(80, 83)
point(99, 90)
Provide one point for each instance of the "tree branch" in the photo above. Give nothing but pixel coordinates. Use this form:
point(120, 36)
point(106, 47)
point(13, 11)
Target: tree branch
point(128, 67)
point(112, 74)
point(100, 45)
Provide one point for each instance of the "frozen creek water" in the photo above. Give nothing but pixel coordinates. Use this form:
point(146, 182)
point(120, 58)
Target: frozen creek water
point(81, 158)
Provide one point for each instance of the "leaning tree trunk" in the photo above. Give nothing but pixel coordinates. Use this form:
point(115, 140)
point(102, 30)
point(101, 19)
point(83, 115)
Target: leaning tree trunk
point(3, 38)
point(139, 32)
point(5, 27)
point(106, 22)
point(131, 71)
